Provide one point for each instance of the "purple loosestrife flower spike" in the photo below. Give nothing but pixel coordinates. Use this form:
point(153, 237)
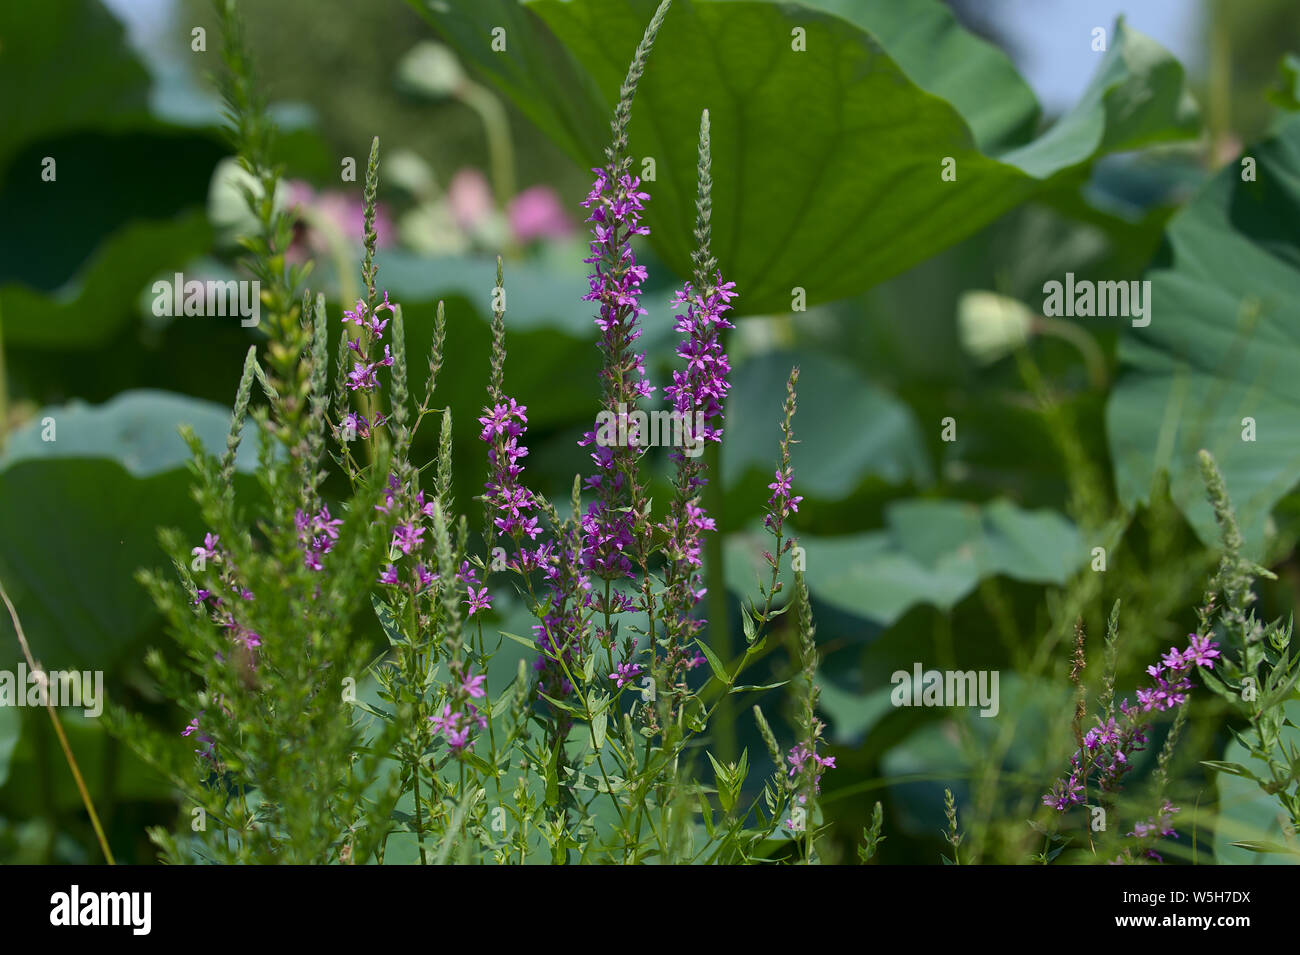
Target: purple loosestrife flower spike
point(611, 533)
point(1107, 748)
point(698, 394)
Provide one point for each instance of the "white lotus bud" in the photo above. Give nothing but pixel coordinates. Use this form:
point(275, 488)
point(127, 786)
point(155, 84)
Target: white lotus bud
point(992, 326)
point(431, 69)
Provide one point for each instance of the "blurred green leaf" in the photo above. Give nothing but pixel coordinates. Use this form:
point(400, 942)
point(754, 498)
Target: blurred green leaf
point(939, 55)
point(81, 39)
point(92, 308)
point(110, 771)
point(935, 552)
point(10, 730)
point(847, 428)
point(1223, 345)
point(78, 517)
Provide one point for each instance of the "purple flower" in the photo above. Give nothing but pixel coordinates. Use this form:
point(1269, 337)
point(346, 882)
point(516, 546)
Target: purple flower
point(615, 204)
point(362, 377)
point(458, 715)
point(209, 549)
point(478, 601)
point(1201, 651)
point(423, 577)
point(316, 535)
point(209, 749)
point(446, 721)
point(503, 425)
point(803, 759)
point(407, 536)
point(472, 685)
point(1107, 748)
point(625, 673)
point(699, 391)
point(389, 495)
point(781, 505)
point(357, 424)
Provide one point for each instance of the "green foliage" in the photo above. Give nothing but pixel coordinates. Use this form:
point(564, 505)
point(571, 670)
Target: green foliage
point(71, 507)
point(822, 172)
point(1220, 348)
point(1258, 677)
point(936, 552)
point(846, 189)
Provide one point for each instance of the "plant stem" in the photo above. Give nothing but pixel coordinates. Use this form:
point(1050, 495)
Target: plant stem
point(724, 734)
point(58, 730)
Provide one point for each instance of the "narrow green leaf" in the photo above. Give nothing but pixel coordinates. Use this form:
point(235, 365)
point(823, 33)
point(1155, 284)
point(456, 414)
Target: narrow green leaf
point(714, 663)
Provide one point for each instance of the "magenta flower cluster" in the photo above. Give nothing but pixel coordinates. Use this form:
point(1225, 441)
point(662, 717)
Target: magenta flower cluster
point(316, 535)
point(408, 537)
point(701, 388)
point(625, 673)
point(1152, 828)
point(782, 503)
point(800, 757)
point(459, 716)
point(503, 426)
point(1108, 746)
point(222, 612)
point(562, 633)
point(370, 330)
point(225, 614)
point(511, 506)
point(615, 205)
point(1171, 674)
point(698, 394)
point(806, 761)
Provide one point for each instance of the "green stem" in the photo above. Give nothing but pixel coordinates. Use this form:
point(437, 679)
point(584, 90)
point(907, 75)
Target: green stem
point(724, 730)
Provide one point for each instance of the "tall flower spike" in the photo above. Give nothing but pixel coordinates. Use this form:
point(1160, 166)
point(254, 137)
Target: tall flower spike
point(623, 112)
point(702, 258)
point(368, 267)
point(698, 393)
point(1104, 755)
point(612, 530)
point(498, 336)
point(319, 394)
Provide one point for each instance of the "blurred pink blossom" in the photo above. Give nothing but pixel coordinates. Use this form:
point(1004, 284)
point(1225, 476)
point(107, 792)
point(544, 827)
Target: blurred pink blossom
point(470, 198)
point(346, 211)
point(537, 213)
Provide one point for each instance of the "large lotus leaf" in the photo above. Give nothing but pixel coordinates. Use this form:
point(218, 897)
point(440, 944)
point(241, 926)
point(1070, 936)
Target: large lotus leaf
point(79, 515)
point(932, 758)
point(1223, 345)
point(91, 308)
point(128, 187)
point(935, 552)
point(942, 57)
point(47, 50)
point(836, 149)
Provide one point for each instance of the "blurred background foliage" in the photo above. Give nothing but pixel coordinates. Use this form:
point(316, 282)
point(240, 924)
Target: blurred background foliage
point(923, 300)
